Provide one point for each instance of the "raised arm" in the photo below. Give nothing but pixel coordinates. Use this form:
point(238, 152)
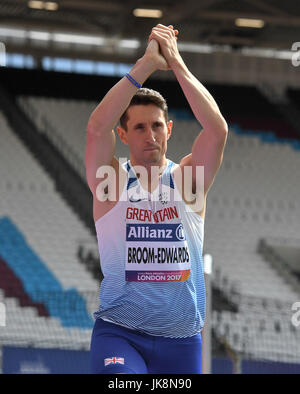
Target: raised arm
point(208, 147)
point(100, 140)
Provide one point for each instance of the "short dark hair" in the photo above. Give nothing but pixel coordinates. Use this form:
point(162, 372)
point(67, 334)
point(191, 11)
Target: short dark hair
point(145, 96)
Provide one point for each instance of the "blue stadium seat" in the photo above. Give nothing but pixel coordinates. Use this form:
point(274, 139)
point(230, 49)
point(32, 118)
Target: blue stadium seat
point(38, 281)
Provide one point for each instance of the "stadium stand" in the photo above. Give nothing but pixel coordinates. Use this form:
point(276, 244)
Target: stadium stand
point(255, 196)
point(234, 218)
point(38, 249)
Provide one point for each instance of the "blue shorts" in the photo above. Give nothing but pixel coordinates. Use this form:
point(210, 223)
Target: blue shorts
point(116, 349)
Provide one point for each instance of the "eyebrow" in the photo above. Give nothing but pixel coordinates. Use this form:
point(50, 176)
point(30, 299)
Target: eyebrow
point(138, 125)
point(156, 122)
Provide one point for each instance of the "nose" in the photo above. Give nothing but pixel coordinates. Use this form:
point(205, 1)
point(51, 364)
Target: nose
point(150, 135)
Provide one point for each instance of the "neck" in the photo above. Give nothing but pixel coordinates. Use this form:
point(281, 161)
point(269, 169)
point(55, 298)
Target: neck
point(154, 172)
point(148, 166)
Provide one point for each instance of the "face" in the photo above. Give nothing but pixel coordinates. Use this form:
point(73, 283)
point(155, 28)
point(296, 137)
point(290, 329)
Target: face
point(147, 134)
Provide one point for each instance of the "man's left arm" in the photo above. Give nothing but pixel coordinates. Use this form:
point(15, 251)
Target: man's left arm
point(208, 148)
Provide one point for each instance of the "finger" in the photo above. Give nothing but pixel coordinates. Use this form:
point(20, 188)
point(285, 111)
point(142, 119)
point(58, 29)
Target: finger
point(165, 33)
point(175, 31)
point(161, 32)
point(159, 36)
point(169, 28)
point(163, 26)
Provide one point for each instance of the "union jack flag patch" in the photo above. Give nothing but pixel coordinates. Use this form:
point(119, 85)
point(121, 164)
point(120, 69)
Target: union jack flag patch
point(113, 360)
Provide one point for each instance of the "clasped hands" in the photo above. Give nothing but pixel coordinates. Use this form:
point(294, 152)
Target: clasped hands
point(162, 46)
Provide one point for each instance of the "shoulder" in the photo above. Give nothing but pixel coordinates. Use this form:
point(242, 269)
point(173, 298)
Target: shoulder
point(195, 199)
point(109, 188)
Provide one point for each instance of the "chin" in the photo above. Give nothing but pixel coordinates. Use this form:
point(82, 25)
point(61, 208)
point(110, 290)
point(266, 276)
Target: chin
point(151, 160)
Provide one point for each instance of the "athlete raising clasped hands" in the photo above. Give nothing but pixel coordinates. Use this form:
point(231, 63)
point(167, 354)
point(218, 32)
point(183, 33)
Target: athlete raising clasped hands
point(152, 297)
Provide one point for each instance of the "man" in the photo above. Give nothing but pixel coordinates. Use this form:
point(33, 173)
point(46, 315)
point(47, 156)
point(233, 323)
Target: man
point(149, 229)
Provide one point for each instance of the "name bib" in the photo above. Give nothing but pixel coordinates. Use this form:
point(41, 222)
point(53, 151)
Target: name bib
point(156, 253)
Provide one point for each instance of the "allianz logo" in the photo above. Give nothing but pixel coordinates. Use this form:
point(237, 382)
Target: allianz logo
point(170, 232)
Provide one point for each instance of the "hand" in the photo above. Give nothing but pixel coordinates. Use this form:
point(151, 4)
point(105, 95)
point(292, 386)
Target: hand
point(153, 55)
point(166, 36)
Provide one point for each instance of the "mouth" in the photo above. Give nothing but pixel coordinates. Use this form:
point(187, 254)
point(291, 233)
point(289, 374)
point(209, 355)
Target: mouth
point(151, 148)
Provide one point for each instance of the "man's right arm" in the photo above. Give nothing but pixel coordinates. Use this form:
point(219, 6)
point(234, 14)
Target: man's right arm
point(100, 140)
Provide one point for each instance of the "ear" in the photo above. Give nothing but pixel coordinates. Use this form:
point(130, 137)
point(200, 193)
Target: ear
point(122, 134)
point(169, 126)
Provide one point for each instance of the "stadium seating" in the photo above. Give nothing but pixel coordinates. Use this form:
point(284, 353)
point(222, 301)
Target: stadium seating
point(252, 191)
point(39, 239)
point(255, 195)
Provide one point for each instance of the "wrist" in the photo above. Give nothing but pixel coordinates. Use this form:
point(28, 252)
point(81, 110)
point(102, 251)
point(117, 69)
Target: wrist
point(145, 66)
point(140, 72)
point(177, 63)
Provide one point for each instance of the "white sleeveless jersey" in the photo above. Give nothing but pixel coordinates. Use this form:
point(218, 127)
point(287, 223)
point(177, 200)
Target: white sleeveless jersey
point(150, 248)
